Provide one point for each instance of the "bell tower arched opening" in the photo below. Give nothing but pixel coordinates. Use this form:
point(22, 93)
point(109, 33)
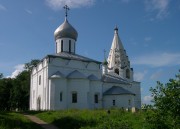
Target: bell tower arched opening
point(127, 73)
point(116, 71)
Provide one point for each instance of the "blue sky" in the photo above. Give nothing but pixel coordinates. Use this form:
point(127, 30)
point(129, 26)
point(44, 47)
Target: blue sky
point(149, 30)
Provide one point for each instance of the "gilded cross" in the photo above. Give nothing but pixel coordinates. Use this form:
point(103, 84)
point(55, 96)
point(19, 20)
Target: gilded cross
point(66, 9)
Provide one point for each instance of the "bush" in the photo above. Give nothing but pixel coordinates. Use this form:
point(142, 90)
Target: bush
point(166, 113)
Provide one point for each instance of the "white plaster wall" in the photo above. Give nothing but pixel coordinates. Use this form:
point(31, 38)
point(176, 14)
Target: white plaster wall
point(45, 87)
point(134, 88)
point(33, 71)
point(39, 66)
point(59, 85)
point(107, 86)
point(33, 88)
point(95, 88)
point(49, 90)
point(137, 90)
point(67, 66)
point(121, 101)
point(81, 86)
point(76, 64)
point(39, 89)
point(92, 66)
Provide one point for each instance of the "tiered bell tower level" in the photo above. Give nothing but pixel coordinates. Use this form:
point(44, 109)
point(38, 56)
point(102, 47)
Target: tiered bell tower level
point(118, 62)
point(65, 36)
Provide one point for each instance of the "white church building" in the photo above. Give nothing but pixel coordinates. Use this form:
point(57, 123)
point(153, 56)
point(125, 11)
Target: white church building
point(66, 80)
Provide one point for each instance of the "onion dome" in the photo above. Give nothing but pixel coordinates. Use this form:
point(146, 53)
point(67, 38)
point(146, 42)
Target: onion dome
point(65, 30)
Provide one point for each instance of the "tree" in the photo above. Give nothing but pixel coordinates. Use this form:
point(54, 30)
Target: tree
point(1, 75)
point(167, 104)
point(21, 87)
point(20, 92)
point(14, 93)
point(29, 66)
point(6, 85)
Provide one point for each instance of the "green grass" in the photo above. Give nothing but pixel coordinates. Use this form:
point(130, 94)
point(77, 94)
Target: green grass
point(77, 119)
point(94, 119)
point(14, 120)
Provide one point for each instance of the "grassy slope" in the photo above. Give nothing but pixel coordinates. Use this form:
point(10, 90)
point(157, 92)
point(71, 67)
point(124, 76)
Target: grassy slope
point(12, 120)
point(94, 119)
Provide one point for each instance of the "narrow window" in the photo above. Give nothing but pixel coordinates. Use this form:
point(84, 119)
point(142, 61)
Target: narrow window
point(60, 97)
point(61, 45)
point(74, 97)
point(127, 73)
point(70, 46)
point(114, 102)
point(116, 71)
point(96, 98)
point(40, 80)
point(129, 102)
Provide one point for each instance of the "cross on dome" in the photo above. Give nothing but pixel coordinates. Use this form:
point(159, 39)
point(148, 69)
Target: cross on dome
point(66, 10)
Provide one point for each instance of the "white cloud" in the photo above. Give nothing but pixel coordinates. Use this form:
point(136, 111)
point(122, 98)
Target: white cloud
point(139, 76)
point(28, 11)
point(147, 99)
point(2, 8)
point(158, 59)
point(156, 75)
point(18, 69)
point(160, 7)
point(58, 4)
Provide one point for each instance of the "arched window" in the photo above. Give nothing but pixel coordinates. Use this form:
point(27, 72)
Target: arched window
point(39, 103)
point(61, 45)
point(61, 95)
point(40, 80)
point(96, 98)
point(114, 102)
point(116, 71)
point(127, 73)
point(129, 102)
point(74, 97)
point(70, 46)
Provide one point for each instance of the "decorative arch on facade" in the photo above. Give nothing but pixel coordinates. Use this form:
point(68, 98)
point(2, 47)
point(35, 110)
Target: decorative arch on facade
point(128, 73)
point(116, 71)
point(39, 103)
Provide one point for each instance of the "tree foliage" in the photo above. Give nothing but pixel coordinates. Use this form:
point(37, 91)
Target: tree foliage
point(1, 75)
point(14, 93)
point(6, 85)
point(29, 66)
point(20, 91)
point(166, 113)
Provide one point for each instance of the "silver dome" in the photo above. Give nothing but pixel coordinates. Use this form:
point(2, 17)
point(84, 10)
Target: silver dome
point(65, 30)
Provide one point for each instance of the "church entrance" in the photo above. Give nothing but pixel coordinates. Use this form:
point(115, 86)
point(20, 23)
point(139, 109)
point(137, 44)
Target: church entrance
point(39, 103)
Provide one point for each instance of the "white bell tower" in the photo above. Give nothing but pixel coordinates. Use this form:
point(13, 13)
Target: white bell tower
point(118, 61)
